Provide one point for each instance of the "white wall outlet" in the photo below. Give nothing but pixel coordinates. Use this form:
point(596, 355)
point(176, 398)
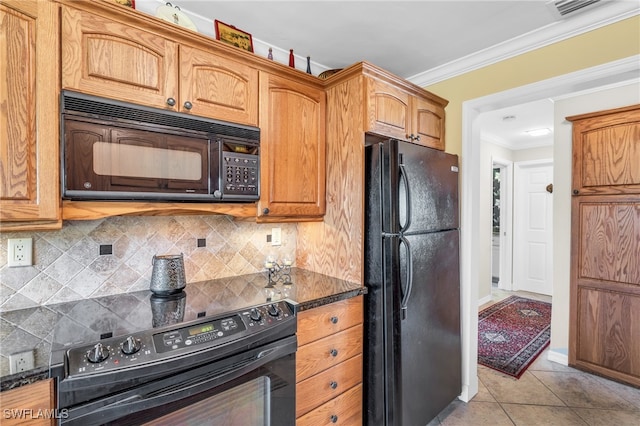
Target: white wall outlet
point(20, 362)
point(276, 236)
point(19, 252)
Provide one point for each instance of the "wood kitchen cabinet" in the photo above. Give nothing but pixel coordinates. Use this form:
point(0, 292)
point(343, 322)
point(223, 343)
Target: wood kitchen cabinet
point(605, 224)
point(106, 57)
point(329, 364)
point(34, 403)
point(394, 112)
point(292, 173)
point(29, 122)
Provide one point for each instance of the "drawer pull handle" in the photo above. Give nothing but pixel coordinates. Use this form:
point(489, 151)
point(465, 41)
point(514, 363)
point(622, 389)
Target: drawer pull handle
point(333, 385)
point(334, 418)
point(334, 320)
point(334, 352)
point(171, 101)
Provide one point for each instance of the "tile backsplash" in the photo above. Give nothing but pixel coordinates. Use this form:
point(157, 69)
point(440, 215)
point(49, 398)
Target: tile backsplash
point(68, 264)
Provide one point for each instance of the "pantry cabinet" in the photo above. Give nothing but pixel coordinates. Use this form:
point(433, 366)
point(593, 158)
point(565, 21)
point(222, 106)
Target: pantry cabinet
point(105, 57)
point(292, 159)
point(29, 176)
point(395, 112)
point(329, 364)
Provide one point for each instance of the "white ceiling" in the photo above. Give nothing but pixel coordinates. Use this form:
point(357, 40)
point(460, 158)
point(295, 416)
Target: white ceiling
point(422, 41)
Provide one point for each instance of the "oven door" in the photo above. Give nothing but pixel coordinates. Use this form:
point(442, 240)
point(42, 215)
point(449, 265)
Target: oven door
point(253, 388)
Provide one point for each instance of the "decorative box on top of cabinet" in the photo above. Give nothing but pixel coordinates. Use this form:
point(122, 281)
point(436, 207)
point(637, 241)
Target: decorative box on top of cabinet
point(329, 364)
point(29, 168)
point(129, 61)
point(395, 112)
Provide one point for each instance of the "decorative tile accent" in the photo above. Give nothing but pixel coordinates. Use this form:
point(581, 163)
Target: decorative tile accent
point(68, 265)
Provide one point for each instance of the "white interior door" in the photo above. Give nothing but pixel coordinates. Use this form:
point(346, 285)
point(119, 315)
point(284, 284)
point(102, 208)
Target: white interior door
point(533, 249)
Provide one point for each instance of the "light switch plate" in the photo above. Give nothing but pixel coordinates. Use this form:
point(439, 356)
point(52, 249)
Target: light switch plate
point(276, 236)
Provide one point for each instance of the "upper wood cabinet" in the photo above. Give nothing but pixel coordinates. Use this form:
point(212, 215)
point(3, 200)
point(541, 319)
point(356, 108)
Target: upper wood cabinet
point(104, 57)
point(292, 173)
point(394, 112)
point(29, 176)
point(606, 152)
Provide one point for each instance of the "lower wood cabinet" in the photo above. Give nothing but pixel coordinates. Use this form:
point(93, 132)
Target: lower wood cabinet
point(29, 405)
point(329, 364)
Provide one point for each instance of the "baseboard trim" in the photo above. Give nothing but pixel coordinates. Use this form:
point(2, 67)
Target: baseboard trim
point(558, 357)
point(484, 300)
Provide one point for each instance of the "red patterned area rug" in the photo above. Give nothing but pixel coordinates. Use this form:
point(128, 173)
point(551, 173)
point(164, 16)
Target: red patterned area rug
point(512, 333)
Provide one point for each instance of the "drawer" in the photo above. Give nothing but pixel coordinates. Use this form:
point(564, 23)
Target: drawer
point(318, 389)
point(345, 409)
point(317, 323)
point(328, 352)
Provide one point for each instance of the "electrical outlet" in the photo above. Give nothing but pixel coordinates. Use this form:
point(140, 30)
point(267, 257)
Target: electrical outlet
point(19, 252)
point(20, 362)
point(276, 236)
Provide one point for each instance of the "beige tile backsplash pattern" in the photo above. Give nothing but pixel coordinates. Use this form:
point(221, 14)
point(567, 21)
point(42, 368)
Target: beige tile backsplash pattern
point(68, 265)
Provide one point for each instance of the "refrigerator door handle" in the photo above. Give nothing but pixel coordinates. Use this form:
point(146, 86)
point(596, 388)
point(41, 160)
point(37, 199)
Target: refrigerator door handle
point(407, 289)
point(405, 180)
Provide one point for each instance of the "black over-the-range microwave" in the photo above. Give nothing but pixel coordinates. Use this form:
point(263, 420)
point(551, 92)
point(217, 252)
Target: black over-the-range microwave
point(113, 150)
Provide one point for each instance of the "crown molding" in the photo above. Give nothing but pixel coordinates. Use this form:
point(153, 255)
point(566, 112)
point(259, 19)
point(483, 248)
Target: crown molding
point(552, 33)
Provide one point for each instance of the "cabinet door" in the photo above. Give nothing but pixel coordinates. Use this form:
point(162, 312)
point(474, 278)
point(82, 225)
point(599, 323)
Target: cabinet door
point(292, 148)
point(606, 153)
point(217, 87)
point(428, 123)
point(29, 183)
point(388, 110)
point(35, 398)
point(107, 58)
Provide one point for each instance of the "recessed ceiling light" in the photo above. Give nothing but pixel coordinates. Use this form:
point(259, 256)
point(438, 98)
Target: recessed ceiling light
point(538, 132)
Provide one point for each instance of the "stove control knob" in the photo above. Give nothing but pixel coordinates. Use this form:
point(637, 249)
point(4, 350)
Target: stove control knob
point(273, 310)
point(98, 353)
point(255, 315)
point(130, 346)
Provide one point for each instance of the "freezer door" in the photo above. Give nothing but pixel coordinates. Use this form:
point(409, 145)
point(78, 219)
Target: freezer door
point(429, 346)
point(428, 188)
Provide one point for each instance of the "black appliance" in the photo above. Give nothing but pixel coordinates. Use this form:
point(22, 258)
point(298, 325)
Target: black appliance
point(114, 150)
point(412, 363)
point(232, 368)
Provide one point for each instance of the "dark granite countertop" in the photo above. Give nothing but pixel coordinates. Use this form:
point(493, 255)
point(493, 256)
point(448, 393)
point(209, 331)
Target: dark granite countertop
point(49, 330)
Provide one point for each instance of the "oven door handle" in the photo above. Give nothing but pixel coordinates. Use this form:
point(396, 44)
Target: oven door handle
point(203, 378)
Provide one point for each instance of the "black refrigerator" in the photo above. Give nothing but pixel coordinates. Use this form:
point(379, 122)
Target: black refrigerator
point(413, 360)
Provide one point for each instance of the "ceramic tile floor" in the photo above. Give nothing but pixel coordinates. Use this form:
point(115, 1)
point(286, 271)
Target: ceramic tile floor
point(548, 393)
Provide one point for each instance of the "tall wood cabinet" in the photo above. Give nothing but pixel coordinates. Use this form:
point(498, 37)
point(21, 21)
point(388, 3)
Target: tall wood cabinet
point(292, 173)
point(605, 245)
point(29, 176)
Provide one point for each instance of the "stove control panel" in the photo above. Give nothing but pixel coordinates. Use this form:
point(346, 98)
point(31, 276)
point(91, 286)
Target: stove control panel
point(155, 345)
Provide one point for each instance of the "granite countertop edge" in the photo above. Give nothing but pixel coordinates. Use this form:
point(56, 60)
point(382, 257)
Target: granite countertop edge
point(24, 378)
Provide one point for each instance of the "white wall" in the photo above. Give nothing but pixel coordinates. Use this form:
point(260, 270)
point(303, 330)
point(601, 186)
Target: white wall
point(569, 105)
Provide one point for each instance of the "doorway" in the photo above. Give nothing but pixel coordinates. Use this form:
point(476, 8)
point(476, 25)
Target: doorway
point(614, 73)
point(502, 225)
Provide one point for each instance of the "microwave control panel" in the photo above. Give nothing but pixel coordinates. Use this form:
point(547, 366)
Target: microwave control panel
point(238, 171)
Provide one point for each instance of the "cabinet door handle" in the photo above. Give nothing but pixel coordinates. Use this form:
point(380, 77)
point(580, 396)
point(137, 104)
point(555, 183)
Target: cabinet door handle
point(334, 352)
point(576, 192)
point(333, 385)
point(334, 418)
point(171, 102)
point(418, 138)
point(334, 320)
point(265, 211)
point(188, 105)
